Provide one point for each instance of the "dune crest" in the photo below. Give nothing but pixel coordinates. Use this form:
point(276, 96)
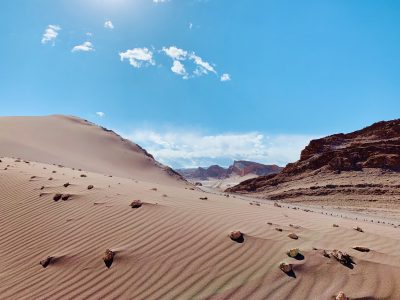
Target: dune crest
point(77, 143)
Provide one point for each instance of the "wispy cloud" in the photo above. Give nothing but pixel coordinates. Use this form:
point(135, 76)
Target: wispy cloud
point(50, 34)
point(138, 57)
point(178, 55)
point(160, 1)
point(184, 63)
point(85, 47)
point(191, 149)
point(225, 77)
point(100, 114)
point(108, 24)
point(203, 67)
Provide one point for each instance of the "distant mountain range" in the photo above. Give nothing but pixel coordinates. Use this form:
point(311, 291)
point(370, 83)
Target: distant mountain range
point(374, 147)
point(238, 168)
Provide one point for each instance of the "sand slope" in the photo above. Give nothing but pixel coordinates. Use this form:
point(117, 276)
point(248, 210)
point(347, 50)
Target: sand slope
point(176, 246)
point(77, 143)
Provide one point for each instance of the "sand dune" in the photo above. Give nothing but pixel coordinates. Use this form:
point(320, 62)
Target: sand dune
point(77, 143)
point(175, 246)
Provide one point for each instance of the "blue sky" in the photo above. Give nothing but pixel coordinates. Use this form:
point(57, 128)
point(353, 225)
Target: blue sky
point(292, 70)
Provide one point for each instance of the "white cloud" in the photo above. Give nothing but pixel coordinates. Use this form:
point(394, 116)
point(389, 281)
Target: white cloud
point(225, 77)
point(196, 67)
point(138, 57)
point(85, 47)
point(108, 24)
point(100, 114)
point(203, 67)
point(190, 26)
point(50, 34)
point(160, 1)
point(192, 149)
point(175, 53)
point(179, 68)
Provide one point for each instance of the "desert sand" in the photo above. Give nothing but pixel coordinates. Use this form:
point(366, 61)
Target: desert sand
point(177, 244)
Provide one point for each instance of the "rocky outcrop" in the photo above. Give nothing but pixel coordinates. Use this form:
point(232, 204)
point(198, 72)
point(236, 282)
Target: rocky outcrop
point(376, 146)
point(238, 168)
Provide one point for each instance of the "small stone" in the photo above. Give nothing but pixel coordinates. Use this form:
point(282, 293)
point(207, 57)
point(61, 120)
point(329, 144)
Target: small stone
point(358, 229)
point(90, 187)
point(57, 197)
point(293, 236)
point(285, 267)
point(236, 236)
point(108, 258)
point(277, 205)
point(335, 225)
point(65, 197)
point(136, 203)
point(66, 184)
point(293, 252)
point(341, 296)
point(278, 229)
point(342, 257)
point(361, 249)
point(45, 262)
point(83, 175)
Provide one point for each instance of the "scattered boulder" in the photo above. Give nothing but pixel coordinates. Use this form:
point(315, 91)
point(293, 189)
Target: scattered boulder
point(269, 223)
point(57, 197)
point(278, 229)
point(341, 296)
point(108, 258)
point(45, 262)
point(335, 225)
point(293, 252)
point(341, 257)
point(361, 249)
point(83, 175)
point(42, 188)
point(90, 187)
point(154, 189)
point(66, 184)
point(237, 236)
point(285, 267)
point(277, 205)
point(54, 172)
point(136, 203)
point(358, 229)
point(51, 178)
point(33, 177)
point(293, 236)
point(203, 198)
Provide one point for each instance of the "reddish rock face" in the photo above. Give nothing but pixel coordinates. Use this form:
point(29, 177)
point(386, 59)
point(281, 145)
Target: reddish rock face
point(376, 146)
